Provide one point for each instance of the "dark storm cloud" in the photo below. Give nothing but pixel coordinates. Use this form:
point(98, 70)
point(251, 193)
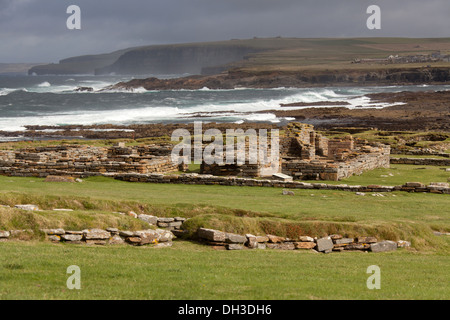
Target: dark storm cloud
point(35, 30)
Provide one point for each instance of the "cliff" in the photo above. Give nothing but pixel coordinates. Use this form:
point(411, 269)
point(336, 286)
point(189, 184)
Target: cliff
point(191, 59)
point(312, 60)
point(78, 65)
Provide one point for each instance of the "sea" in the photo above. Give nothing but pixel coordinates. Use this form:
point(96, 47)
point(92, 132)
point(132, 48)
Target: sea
point(54, 101)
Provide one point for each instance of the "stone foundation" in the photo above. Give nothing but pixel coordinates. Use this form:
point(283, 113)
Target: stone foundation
point(421, 161)
point(84, 161)
point(332, 243)
point(200, 179)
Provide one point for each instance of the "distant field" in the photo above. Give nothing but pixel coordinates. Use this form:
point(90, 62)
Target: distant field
point(337, 54)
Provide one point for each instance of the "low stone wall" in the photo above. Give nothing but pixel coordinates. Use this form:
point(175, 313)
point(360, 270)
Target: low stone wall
point(337, 243)
point(219, 240)
point(421, 152)
point(421, 161)
point(190, 178)
point(110, 236)
point(84, 161)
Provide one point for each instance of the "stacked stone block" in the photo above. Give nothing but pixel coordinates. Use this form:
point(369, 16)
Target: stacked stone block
point(83, 161)
point(332, 243)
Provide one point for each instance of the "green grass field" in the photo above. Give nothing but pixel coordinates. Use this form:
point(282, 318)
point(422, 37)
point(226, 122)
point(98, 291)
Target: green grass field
point(37, 270)
point(190, 271)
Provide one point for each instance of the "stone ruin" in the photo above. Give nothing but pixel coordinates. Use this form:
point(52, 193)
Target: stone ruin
point(307, 155)
point(84, 161)
point(303, 155)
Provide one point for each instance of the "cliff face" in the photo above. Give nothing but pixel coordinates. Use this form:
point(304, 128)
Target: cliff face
point(167, 59)
point(312, 60)
point(78, 65)
point(190, 59)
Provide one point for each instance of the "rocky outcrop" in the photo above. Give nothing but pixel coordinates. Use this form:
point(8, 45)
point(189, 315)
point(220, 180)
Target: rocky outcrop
point(238, 78)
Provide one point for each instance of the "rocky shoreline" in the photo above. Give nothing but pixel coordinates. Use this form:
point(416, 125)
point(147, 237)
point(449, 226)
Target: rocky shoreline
point(421, 111)
point(238, 78)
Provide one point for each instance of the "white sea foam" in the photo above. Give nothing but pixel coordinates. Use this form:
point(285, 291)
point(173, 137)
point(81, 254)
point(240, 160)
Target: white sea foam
point(45, 84)
point(242, 107)
point(91, 117)
point(6, 91)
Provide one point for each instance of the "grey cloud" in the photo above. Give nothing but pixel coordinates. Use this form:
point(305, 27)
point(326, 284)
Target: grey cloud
point(35, 30)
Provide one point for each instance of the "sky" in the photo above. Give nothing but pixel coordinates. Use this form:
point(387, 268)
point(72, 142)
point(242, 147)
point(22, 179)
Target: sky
point(36, 30)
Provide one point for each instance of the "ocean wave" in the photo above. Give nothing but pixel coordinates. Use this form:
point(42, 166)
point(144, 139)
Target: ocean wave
point(7, 91)
point(45, 84)
point(123, 116)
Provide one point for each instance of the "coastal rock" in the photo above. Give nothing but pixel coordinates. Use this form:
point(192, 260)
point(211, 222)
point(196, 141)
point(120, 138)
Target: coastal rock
point(84, 89)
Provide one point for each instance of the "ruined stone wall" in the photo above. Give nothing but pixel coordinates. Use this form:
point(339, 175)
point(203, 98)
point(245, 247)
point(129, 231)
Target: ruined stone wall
point(364, 159)
point(421, 161)
point(206, 179)
point(244, 170)
point(82, 161)
point(336, 147)
point(321, 145)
